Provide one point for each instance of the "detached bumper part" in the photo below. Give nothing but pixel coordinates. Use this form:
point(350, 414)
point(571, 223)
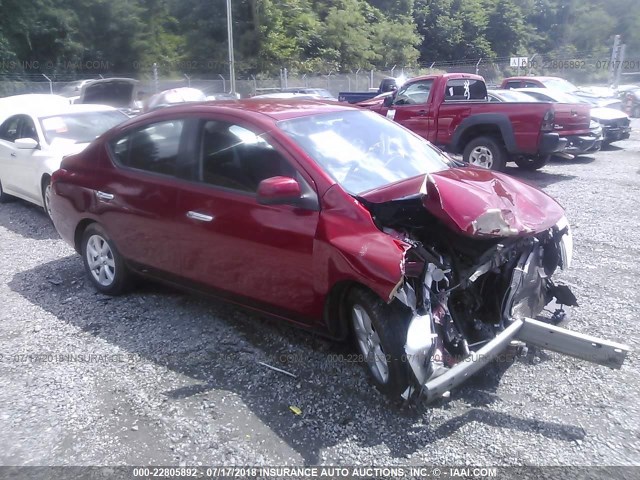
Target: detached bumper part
point(532, 332)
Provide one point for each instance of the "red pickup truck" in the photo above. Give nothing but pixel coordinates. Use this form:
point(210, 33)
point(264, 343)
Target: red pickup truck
point(452, 111)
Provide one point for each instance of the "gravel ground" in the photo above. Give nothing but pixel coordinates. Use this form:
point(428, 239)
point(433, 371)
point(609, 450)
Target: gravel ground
point(164, 377)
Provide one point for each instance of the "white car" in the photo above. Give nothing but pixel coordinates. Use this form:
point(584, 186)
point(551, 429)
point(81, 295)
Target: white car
point(33, 141)
point(615, 124)
point(8, 105)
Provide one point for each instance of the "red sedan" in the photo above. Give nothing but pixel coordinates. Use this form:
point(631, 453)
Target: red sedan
point(331, 217)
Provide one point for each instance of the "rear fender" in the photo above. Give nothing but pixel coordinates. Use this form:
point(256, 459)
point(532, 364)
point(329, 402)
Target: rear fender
point(483, 124)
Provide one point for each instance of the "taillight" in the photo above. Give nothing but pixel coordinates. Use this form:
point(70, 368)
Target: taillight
point(548, 121)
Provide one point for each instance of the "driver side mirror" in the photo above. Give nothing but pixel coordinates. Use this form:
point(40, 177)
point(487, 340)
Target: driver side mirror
point(388, 101)
point(26, 143)
point(278, 191)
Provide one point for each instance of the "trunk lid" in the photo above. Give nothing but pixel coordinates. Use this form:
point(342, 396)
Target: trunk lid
point(116, 92)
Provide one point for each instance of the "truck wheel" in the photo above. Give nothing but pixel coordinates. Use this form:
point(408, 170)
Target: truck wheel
point(380, 333)
point(485, 152)
point(532, 163)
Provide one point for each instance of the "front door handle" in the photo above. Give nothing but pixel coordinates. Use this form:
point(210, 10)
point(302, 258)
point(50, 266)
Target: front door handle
point(201, 217)
point(13, 154)
point(422, 113)
point(104, 196)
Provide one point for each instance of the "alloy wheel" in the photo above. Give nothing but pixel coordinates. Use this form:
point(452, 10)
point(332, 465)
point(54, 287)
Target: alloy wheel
point(100, 260)
point(369, 343)
point(47, 199)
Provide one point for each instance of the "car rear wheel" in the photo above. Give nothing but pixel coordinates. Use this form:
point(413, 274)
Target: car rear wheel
point(103, 263)
point(485, 152)
point(46, 195)
point(380, 333)
point(532, 163)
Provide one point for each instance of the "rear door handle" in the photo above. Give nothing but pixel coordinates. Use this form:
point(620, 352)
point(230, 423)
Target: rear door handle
point(13, 154)
point(422, 113)
point(201, 217)
point(104, 196)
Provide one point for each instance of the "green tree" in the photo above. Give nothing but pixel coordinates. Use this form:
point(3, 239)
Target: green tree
point(505, 29)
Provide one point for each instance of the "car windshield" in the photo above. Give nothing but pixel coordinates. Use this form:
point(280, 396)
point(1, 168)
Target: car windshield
point(562, 97)
point(363, 150)
point(559, 84)
point(81, 127)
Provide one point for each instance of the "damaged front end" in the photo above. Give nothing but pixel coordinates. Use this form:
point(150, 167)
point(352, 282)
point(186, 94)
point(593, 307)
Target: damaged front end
point(477, 283)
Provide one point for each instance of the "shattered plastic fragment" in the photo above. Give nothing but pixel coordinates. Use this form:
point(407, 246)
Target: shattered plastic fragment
point(295, 410)
point(492, 222)
point(277, 369)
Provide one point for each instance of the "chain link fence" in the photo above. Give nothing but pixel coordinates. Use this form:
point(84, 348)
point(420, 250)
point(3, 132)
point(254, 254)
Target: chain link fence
point(579, 70)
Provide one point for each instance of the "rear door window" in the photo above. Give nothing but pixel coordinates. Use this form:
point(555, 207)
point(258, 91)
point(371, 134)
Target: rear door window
point(10, 129)
point(153, 148)
point(465, 89)
point(513, 84)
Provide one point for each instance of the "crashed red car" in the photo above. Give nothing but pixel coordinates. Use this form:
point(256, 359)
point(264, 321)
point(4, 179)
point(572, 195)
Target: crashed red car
point(331, 217)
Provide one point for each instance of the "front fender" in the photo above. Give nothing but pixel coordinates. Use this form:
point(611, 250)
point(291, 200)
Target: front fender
point(349, 246)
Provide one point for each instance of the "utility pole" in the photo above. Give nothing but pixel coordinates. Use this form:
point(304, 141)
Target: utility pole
point(232, 65)
point(619, 65)
point(614, 58)
point(155, 77)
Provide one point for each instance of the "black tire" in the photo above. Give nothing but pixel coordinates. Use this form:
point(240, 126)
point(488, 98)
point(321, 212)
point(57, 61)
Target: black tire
point(532, 163)
point(120, 279)
point(46, 184)
point(485, 152)
point(390, 323)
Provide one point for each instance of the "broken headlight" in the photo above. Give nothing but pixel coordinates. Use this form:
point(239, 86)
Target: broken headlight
point(565, 243)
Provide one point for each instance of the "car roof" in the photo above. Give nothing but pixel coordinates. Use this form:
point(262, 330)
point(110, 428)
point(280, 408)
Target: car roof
point(532, 77)
point(446, 76)
point(50, 110)
point(31, 100)
point(274, 108)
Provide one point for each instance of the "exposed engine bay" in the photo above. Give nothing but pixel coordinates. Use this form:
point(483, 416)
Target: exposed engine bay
point(472, 292)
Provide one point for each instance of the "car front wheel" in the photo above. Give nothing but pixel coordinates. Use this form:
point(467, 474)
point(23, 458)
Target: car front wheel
point(380, 332)
point(102, 261)
point(46, 195)
point(485, 152)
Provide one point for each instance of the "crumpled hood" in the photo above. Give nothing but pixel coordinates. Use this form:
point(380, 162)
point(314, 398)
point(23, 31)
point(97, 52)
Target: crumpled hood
point(478, 202)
